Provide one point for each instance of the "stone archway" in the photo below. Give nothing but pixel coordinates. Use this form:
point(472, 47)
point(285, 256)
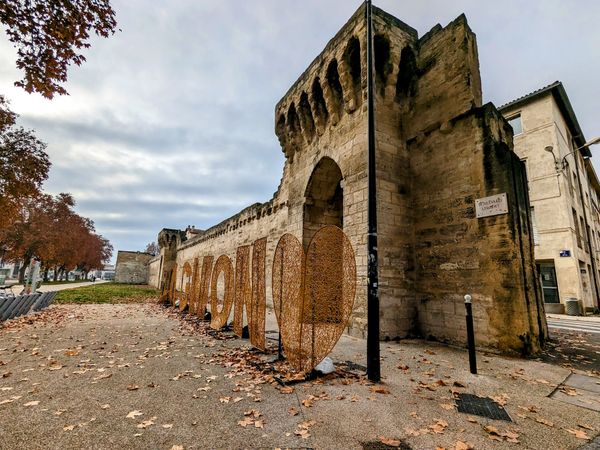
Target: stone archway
point(323, 199)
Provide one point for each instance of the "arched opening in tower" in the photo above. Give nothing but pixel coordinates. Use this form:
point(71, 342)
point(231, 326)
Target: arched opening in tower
point(324, 199)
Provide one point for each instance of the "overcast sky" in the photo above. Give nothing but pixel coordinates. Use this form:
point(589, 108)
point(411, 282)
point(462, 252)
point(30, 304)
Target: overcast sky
point(170, 122)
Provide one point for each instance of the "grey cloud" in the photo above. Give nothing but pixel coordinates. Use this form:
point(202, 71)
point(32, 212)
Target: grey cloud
point(170, 122)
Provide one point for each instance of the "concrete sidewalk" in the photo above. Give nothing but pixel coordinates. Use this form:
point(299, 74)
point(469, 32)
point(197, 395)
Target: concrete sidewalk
point(138, 376)
point(59, 287)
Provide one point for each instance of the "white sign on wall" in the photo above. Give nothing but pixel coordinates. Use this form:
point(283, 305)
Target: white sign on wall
point(491, 206)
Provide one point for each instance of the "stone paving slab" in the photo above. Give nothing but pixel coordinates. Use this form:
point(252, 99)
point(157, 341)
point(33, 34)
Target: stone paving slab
point(588, 383)
point(137, 376)
point(580, 390)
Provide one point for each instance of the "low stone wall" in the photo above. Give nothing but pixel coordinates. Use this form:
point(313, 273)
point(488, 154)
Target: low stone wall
point(132, 267)
point(154, 266)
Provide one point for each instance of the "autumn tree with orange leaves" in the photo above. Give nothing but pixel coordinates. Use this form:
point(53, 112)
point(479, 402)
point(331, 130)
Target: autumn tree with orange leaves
point(49, 36)
point(49, 230)
point(24, 166)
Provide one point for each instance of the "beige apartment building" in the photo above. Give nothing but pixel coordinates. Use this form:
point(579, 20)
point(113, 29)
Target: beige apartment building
point(563, 192)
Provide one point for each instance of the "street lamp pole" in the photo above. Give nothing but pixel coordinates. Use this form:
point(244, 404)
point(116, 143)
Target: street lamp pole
point(373, 361)
point(585, 219)
point(587, 144)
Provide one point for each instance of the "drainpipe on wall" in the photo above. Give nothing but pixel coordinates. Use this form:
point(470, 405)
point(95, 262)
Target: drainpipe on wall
point(587, 232)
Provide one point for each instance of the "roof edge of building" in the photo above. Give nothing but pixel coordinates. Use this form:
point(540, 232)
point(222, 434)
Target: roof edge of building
point(559, 93)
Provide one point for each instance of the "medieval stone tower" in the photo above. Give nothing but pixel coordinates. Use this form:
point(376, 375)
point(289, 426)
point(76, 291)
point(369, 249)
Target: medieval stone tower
point(438, 151)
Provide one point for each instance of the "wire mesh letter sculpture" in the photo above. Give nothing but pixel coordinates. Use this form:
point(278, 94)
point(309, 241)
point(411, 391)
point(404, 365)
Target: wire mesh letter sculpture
point(313, 294)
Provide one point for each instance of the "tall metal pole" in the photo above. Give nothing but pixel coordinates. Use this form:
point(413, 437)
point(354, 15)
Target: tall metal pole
point(373, 363)
point(587, 231)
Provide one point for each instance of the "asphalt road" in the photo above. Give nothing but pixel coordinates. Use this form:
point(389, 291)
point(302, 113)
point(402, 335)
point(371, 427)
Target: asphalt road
point(574, 325)
point(574, 343)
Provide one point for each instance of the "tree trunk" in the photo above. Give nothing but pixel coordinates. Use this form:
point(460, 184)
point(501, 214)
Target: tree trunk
point(55, 274)
point(23, 268)
point(46, 270)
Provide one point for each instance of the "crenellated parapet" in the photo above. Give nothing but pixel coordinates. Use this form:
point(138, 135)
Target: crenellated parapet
point(334, 85)
point(169, 237)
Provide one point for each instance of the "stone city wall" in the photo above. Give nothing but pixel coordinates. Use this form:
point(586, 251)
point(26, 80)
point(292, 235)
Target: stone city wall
point(438, 150)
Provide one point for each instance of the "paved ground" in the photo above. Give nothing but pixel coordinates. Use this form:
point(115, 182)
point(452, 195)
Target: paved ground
point(17, 288)
point(137, 376)
point(574, 342)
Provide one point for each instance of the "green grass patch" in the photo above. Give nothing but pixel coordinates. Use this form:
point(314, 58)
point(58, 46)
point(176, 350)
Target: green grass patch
point(107, 293)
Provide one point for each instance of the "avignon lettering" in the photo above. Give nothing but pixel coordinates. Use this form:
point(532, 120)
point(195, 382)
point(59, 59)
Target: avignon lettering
point(313, 292)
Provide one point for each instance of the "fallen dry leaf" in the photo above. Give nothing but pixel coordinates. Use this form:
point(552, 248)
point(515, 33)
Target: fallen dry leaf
point(253, 412)
point(245, 421)
point(167, 425)
point(460, 445)
point(146, 423)
point(439, 426)
point(134, 414)
point(69, 428)
point(133, 387)
point(304, 434)
point(259, 424)
point(286, 390)
point(34, 403)
point(579, 434)
point(501, 399)
point(307, 402)
point(496, 435)
point(379, 390)
point(389, 442)
point(293, 411)
point(569, 391)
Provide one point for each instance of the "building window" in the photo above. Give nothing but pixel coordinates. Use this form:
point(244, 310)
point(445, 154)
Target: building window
point(536, 235)
point(549, 282)
point(582, 228)
point(515, 123)
point(577, 233)
point(576, 185)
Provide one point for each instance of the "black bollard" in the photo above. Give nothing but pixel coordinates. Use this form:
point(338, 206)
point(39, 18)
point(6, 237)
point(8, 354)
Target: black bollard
point(470, 335)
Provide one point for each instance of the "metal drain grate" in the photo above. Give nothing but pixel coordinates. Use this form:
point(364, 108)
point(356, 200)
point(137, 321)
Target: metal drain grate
point(481, 406)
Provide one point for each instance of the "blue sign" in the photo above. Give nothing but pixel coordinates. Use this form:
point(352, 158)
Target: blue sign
point(565, 253)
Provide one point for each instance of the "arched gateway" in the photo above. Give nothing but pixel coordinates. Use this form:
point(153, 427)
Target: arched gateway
point(323, 199)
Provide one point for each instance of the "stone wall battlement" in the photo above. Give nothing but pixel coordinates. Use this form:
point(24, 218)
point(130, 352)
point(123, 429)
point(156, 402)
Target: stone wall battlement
point(438, 150)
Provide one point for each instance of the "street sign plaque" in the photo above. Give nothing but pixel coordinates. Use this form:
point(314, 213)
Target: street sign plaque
point(491, 206)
